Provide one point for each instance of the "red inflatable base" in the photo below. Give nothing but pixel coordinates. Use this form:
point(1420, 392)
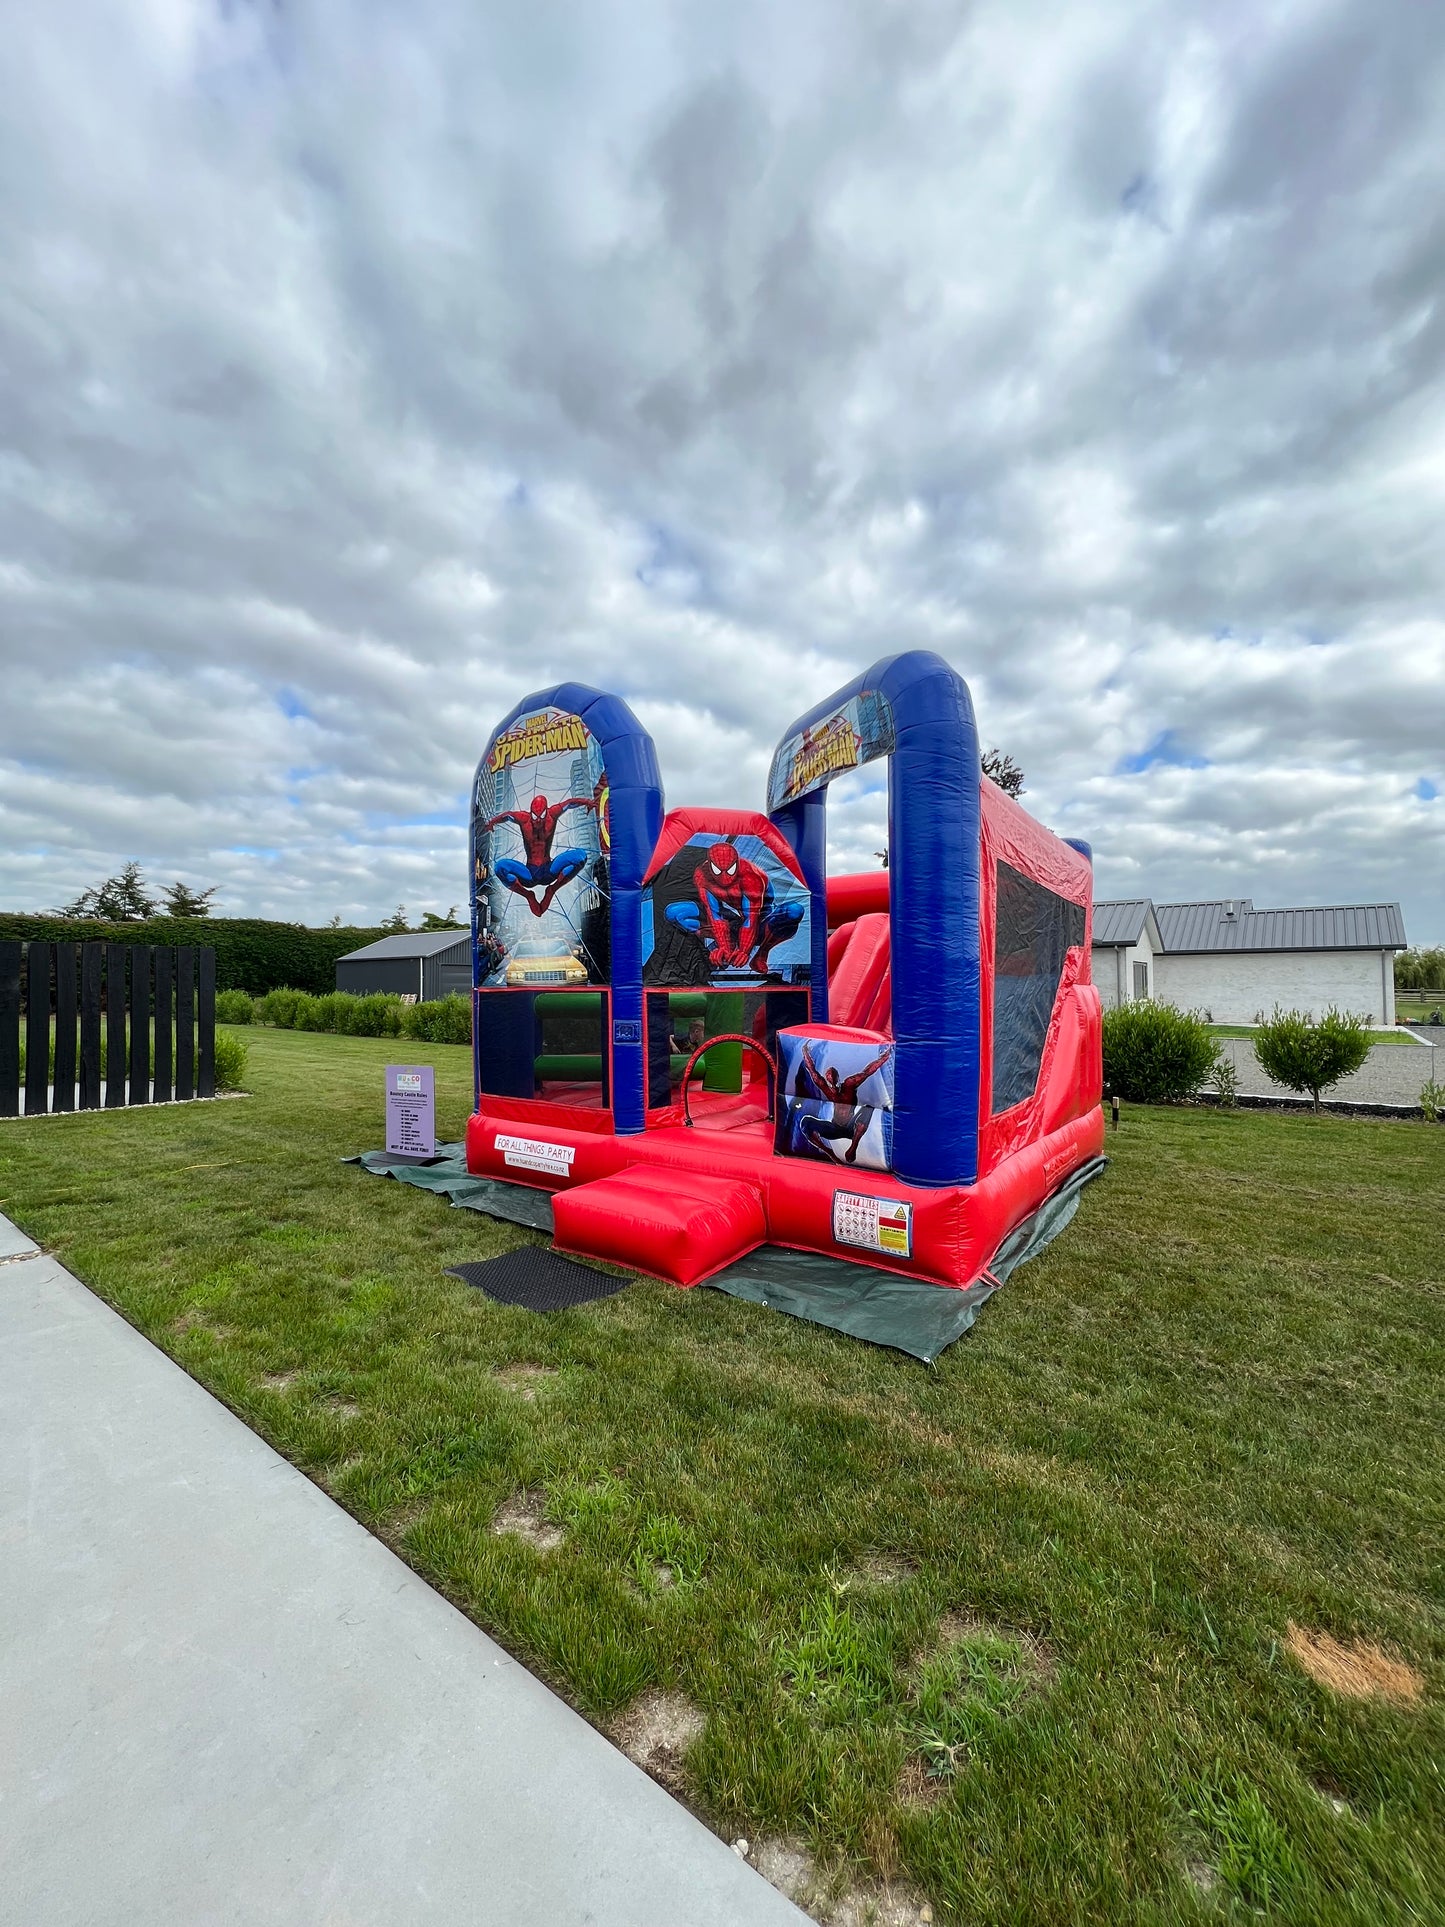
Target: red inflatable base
point(694, 1200)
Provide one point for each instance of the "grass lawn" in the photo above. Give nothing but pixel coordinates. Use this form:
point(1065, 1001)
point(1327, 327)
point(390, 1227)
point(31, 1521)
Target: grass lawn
point(1418, 1008)
point(1249, 1031)
point(1015, 1629)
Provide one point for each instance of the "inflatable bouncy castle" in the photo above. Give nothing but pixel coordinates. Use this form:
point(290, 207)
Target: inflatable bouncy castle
point(700, 1044)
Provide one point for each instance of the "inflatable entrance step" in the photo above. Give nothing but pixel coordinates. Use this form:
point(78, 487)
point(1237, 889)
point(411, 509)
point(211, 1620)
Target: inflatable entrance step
point(671, 1224)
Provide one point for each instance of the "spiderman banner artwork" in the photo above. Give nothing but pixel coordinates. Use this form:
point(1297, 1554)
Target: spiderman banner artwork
point(835, 1100)
point(540, 852)
point(725, 911)
point(852, 735)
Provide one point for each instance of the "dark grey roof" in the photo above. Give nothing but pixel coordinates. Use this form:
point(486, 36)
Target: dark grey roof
point(1186, 927)
point(1120, 923)
point(410, 943)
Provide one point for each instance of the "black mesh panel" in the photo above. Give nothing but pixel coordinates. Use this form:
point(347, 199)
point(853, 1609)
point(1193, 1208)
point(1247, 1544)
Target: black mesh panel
point(1033, 932)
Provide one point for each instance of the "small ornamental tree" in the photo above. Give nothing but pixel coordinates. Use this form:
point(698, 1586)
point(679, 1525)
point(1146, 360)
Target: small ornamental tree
point(1155, 1054)
point(123, 898)
point(1307, 1056)
point(183, 902)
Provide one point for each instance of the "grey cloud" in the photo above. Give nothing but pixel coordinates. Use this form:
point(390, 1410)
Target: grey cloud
point(363, 370)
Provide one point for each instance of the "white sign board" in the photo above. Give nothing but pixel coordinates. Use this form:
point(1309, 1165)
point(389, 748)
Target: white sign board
point(411, 1120)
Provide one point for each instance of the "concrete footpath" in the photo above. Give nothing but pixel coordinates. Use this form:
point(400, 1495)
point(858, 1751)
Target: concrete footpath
point(223, 1701)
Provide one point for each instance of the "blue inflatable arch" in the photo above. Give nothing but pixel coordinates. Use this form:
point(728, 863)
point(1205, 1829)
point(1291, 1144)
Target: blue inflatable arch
point(915, 710)
point(635, 819)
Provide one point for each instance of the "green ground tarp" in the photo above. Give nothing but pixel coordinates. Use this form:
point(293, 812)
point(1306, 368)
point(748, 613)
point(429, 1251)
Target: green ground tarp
point(903, 1313)
point(447, 1172)
point(883, 1307)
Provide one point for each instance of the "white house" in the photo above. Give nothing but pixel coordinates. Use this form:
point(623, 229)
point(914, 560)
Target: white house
point(1126, 941)
point(1233, 962)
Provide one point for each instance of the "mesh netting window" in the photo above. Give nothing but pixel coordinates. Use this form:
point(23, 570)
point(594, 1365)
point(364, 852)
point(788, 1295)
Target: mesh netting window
point(1034, 930)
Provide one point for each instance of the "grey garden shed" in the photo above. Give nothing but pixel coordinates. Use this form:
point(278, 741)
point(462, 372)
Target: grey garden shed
point(425, 964)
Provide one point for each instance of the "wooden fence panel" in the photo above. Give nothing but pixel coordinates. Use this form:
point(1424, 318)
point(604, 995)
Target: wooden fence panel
point(206, 1025)
point(91, 961)
point(9, 1030)
point(140, 1022)
point(64, 1094)
point(114, 1025)
point(37, 1028)
point(185, 1022)
point(127, 1050)
point(165, 960)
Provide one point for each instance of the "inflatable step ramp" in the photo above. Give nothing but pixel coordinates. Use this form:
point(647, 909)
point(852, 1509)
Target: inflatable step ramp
point(672, 1224)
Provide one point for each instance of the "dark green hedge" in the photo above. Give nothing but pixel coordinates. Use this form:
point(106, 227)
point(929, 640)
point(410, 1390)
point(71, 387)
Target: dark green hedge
point(251, 954)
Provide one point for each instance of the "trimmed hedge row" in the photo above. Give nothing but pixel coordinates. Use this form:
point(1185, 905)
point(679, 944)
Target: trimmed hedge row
point(251, 954)
point(446, 1020)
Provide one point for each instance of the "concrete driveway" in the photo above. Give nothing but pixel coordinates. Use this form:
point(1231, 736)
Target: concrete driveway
point(223, 1701)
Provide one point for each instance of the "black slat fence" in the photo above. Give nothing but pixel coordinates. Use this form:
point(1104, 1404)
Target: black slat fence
point(144, 1018)
point(140, 1022)
point(185, 1022)
point(37, 1026)
point(9, 1029)
point(114, 1024)
point(92, 956)
point(63, 1082)
point(161, 1094)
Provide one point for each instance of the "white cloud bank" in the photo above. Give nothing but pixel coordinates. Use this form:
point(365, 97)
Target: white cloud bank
point(363, 367)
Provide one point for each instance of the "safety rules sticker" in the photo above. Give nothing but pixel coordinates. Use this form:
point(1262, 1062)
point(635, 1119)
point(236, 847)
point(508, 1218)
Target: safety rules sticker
point(877, 1224)
point(535, 1154)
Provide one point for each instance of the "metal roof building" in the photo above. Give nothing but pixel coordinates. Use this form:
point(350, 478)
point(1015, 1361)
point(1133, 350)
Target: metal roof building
point(1120, 923)
point(1234, 962)
point(424, 964)
point(1235, 924)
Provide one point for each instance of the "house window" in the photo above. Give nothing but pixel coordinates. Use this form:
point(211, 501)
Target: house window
point(1033, 933)
point(1141, 982)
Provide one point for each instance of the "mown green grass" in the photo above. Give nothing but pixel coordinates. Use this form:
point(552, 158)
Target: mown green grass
point(1210, 1409)
point(1247, 1032)
point(1417, 1007)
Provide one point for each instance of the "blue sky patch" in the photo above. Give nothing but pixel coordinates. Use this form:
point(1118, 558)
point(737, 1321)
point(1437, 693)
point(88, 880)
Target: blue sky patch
point(1166, 748)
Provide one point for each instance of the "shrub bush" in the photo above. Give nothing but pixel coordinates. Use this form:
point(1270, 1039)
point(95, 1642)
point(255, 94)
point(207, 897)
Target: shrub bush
point(231, 1057)
point(233, 1007)
point(446, 1021)
point(378, 1015)
point(1304, 1055)
point(317, 1013)
point(278, 1007)
point(1225, 1080)
point(1155, 1054)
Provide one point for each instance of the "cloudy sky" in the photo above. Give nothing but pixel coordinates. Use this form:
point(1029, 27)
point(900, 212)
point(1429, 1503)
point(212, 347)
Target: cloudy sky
point(365, 366)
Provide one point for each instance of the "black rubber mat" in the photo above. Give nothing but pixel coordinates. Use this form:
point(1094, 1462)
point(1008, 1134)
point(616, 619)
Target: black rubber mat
point(535, 1278)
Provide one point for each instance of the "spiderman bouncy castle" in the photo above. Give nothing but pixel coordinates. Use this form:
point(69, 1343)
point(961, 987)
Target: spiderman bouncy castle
point(700, 1044)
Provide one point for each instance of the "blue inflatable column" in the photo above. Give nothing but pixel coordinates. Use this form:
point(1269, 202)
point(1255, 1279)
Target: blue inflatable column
point(921, 717)
point(805, 824)
point(933, 895)
point(635, 820)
